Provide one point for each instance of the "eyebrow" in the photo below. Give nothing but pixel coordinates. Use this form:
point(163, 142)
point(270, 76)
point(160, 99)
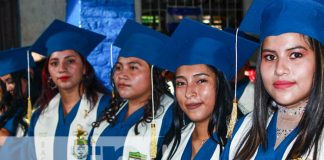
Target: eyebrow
point(289, 49)
point(69, 56)
point(297, 47)
point(130, 63)
point(195, 75)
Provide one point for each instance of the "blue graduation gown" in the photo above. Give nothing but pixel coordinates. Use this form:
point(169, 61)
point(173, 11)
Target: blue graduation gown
point(112, 140)
point(269, 153)
point(205, 152)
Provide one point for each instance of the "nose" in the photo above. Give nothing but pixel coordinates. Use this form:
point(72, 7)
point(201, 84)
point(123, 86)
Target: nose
point(62, 67)
point(190, 91)
point(281, 67)
point(121, 74)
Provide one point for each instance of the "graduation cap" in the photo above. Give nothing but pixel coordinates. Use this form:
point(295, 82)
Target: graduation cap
point(61, 36)
point(136, 40)
point(275, 17)
point(196, 43)
point(13, 60)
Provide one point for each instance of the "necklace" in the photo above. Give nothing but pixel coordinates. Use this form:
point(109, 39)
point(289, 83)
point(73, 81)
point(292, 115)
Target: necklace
point(283, 132)
point(291, 111)
point(203, 141)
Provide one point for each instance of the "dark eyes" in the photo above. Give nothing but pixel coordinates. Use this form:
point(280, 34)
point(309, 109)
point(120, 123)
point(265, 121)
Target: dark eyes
point(10, 81)
point(270, 57)
point(133, 67)
point(293, 55)
point(200, 81)
point(70, 61)
point(54, 64)
point(296, 55)
point(178, 84)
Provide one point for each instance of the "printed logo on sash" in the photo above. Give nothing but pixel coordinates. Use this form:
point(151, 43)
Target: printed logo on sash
point(136, 156)
point(80, 148)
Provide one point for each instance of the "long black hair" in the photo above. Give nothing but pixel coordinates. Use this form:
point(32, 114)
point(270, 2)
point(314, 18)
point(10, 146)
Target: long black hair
point(17, 108)
point(160, 88)
point(217, 123)
point(5, 97)
point(311, 124)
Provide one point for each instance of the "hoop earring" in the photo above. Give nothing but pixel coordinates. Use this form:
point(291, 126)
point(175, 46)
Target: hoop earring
point(51, 85)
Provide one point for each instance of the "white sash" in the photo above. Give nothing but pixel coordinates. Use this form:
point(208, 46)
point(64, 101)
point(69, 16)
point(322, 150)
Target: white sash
point(185, 136)
point(134, 143)
point(46, 125)
point(241, 132)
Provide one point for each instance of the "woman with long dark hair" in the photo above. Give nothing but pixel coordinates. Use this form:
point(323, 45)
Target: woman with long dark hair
point(14, 76)
point(71, 96)
point(204, 62)
point(139, 115)
point(288, 117)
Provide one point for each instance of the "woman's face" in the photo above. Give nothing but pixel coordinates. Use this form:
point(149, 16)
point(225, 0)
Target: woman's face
point(9, 82)
point(196, 91)
point(287, 68)
point(66, 69)
point(132, 78)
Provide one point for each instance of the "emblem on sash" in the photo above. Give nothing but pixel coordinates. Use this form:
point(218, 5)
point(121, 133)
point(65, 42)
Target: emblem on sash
point(136, 156)
point(80, 148)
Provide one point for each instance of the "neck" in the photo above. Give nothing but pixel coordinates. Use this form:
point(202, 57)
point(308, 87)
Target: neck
point(201, 131)
point(135, 104)
point(69, 98)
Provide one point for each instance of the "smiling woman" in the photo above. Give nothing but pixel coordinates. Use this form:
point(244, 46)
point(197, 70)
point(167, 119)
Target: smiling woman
point(202, 61)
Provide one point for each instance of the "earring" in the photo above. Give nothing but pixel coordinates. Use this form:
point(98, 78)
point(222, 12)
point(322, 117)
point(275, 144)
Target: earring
point(183, 119)
point(51, 84)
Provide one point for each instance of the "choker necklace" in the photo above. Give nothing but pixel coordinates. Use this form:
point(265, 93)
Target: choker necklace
point(291, 111)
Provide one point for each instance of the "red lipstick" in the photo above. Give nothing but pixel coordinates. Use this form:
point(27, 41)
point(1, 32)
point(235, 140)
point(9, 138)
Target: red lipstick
point(283, 84)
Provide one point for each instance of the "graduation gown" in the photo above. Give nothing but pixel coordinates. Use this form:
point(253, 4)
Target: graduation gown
point(55, 134)
point(119, 140)
point(281, 152)
point(209, 150)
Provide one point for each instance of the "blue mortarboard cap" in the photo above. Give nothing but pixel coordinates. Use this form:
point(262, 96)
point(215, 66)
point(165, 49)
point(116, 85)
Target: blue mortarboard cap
point(196, 43)
point(136, 40)
point(63, 36)
point(13, 60)
point(275, 17)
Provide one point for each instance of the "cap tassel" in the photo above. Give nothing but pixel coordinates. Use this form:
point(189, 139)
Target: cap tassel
point(153, 146)
point(233, 119)
point(29, 109)
point(29, 103)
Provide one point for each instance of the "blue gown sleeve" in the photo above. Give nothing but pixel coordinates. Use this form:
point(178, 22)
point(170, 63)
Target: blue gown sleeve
point(33, 121)
point(104, 103)
point(166, 125)
point(9, 126)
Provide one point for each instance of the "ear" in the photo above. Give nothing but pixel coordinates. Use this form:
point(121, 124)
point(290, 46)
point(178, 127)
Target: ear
point(84, 70)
